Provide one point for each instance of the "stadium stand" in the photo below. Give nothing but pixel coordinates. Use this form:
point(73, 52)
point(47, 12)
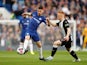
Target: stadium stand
point(12, 9)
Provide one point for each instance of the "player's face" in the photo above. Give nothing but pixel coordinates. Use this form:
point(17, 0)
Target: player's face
point(40, 11)
point(60, 16)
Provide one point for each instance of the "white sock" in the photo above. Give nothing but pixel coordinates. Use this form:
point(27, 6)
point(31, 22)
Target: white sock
point(31, 45)
point(40, 53)
point(26, 44)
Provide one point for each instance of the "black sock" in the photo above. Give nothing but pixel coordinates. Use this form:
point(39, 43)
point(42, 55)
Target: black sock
point(53, 51)
point(74, 54)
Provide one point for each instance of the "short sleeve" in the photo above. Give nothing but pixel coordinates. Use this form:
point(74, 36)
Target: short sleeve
point(20, 22)
point(66, 24)
point(44, 19)
point(57, 24)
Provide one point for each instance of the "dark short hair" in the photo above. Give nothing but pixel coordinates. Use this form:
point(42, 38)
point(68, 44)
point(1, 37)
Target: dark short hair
point(40, 7)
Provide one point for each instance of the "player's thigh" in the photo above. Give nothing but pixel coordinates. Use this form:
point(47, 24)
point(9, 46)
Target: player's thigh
point(68, 45)
point(58, 42)
point(27, 36)
point(35, 37)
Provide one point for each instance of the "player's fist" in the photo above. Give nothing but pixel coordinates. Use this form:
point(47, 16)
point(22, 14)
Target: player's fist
point(66, 38)
point(47, 21)
point(47, 18)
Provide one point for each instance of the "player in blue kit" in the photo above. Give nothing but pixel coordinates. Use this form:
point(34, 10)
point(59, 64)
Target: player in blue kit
point(36, 20)
point(23, 24)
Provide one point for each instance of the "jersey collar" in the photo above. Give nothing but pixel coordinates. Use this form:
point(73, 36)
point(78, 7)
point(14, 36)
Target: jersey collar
point(62, 20)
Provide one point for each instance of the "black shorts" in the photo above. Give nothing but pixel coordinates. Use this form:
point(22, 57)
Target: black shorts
point(66, 43)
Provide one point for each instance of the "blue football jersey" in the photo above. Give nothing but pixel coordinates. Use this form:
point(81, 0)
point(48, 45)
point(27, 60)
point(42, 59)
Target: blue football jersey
point(24, 22)
point(36, 21)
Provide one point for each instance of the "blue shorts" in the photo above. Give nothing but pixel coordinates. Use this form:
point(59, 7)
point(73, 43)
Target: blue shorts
point(22, 35)
point(34, 35)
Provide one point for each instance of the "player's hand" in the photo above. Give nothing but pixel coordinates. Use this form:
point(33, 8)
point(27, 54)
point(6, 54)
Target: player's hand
point(66, 38)
point(47, 21)
point(47, 18)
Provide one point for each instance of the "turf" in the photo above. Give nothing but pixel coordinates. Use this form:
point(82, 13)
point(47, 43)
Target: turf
point(61, 58)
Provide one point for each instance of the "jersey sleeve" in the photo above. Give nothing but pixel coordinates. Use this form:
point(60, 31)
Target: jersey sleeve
point(44, 19)
point(20, 23)
point(57, 24)
point(34, 14)
point(66, 24)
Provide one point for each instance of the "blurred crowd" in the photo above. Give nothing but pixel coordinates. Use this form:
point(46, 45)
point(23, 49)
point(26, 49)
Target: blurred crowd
point(74, 9)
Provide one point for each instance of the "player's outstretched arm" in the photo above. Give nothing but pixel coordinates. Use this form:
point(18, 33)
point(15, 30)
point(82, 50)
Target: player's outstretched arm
point(50, 23)
point(68, 34)
point(68, 31)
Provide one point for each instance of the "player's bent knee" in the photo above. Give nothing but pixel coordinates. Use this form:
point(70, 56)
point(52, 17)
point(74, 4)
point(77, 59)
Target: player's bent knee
point(27, 37)
point(55, 43)
point(39, 44)
point(58, 42)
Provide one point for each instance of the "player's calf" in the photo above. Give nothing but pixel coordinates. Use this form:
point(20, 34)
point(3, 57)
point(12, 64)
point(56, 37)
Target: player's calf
point(26, 42)
point(55, 46)
point(73, 54)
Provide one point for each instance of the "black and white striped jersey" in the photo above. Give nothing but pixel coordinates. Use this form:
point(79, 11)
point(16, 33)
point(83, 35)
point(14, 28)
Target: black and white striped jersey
point(64, 24)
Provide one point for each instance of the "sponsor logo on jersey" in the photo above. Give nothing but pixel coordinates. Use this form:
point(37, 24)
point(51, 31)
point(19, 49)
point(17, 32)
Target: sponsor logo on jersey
point(66, 24)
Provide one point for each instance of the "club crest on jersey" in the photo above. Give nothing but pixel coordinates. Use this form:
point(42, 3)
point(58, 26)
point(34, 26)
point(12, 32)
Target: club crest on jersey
point(66, 24)
point(40, 19)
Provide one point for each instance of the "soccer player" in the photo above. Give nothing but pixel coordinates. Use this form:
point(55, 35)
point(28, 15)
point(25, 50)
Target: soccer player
point(23, 25)
point(66, 30)
point(37, 19)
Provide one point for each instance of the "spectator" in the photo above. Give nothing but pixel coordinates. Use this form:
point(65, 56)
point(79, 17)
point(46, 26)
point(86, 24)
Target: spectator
point(85, 36)
point(78, 35)
point(15, 6)
point(76, 8)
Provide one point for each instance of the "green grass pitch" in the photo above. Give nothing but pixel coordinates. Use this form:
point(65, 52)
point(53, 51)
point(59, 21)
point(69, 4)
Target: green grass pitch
point(61, 58)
